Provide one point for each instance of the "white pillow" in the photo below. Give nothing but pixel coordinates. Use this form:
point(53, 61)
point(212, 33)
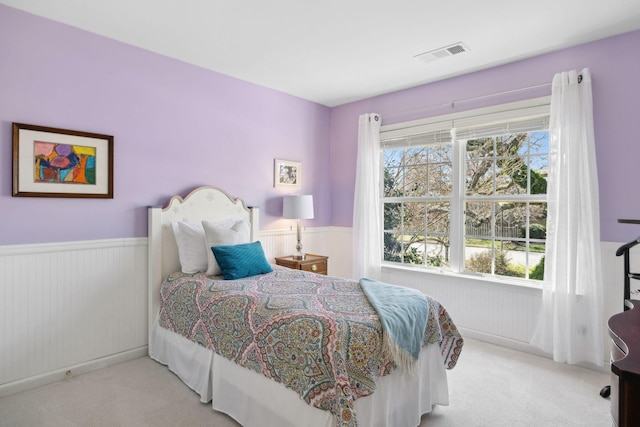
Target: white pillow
point(220, 234)
point(191, 246)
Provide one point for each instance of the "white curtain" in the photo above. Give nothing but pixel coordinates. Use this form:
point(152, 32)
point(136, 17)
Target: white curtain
point(571, 324)
point(367, 223)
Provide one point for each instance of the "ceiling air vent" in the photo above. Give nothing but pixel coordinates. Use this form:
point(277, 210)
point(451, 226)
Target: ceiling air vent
point(443, 52)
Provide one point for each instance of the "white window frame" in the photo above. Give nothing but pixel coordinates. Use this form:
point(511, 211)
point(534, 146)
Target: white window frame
point(501, 115)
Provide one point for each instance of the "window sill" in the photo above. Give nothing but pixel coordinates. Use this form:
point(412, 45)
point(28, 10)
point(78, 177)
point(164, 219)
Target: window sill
point(502, 281)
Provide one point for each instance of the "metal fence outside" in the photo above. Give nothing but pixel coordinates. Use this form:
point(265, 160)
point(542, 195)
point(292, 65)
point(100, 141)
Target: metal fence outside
point(484, 230)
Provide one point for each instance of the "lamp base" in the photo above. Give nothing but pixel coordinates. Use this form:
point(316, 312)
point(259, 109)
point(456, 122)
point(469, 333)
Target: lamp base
point(299, 256)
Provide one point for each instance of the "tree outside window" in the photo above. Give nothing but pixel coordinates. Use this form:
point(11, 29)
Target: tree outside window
point(501, 199)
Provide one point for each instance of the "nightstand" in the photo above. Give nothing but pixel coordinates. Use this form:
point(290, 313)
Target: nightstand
point(314, 263)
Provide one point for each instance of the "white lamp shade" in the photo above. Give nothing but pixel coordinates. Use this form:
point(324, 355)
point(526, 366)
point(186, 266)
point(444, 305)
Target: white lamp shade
point(297, 207)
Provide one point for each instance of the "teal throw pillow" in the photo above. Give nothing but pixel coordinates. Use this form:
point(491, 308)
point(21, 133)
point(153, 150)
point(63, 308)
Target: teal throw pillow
point(244, 260)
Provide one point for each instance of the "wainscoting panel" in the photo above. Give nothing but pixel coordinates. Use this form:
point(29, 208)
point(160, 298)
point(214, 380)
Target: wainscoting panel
point(67, 308)
point(481, 308)
point(507, 314)
point(334, 242)
point(66, 305)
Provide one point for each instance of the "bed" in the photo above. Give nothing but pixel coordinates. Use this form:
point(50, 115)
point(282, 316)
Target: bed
point(333, 374)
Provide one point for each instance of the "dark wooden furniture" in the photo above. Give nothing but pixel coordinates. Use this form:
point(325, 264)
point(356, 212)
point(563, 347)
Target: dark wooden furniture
point(624, 330)
point(629, 221)
point(315, 263)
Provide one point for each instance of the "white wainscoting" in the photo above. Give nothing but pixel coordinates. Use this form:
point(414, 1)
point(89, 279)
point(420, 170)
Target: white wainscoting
point(68, 308)
point(73, 307)
point(334, 242)
point(503, 313)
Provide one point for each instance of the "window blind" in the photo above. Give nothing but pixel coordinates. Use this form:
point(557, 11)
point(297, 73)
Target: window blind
point(471, 124)
point(429, 138)
point(506, 127)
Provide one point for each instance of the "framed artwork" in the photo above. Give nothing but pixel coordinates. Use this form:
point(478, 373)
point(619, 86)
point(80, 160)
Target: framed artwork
point(50, 162)
point(287, 174)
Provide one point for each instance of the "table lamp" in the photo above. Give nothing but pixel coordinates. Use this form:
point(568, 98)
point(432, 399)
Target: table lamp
point(298, 207)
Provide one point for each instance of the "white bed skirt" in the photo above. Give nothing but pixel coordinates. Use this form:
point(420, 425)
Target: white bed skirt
point(257, 401)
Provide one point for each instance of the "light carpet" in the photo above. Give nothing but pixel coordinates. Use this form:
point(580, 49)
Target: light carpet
point(490, 386)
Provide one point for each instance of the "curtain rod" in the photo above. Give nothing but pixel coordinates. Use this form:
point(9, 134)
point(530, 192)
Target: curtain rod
point(460, 101)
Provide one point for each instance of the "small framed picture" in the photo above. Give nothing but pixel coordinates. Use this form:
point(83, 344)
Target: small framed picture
point(287, 174)
point(50, 162)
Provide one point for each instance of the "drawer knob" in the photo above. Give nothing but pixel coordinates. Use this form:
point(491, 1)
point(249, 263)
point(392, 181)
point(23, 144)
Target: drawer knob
point(314, 267)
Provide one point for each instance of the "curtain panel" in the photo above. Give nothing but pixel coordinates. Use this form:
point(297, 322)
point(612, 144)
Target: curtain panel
point(367, 217)
point(571, 323)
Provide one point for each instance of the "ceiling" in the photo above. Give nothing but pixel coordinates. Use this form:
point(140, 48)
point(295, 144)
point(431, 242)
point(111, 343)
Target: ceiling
point(337, 51)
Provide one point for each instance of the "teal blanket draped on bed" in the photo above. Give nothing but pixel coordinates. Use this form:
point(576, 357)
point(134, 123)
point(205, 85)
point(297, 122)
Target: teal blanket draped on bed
point(403, 314)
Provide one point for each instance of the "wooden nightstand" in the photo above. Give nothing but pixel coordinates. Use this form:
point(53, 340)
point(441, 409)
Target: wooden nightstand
point(314, 263)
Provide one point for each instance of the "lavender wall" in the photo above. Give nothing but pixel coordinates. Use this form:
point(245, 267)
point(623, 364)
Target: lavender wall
point(615, 67)
point(176, 126)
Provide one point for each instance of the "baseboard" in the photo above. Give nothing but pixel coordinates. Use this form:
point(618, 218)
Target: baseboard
point(502, 341)
point(519, 346)
point(70, 371)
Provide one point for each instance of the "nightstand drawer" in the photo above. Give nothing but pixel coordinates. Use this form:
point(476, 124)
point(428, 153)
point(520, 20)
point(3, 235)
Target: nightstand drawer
point(319, 267)
point(313, 263)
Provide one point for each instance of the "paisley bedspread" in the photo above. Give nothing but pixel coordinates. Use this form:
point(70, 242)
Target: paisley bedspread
point(317, 335)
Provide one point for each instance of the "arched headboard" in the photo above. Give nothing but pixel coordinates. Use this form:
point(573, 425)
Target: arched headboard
point(204, 203)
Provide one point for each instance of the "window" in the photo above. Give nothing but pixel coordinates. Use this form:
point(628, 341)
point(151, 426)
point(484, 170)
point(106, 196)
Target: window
point(467, 192)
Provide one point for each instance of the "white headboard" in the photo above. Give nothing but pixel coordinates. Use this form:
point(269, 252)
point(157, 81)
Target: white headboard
point(204, 203)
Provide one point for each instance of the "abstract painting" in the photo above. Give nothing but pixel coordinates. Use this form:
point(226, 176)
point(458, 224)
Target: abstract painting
point(64, 163)
point(51, 162)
